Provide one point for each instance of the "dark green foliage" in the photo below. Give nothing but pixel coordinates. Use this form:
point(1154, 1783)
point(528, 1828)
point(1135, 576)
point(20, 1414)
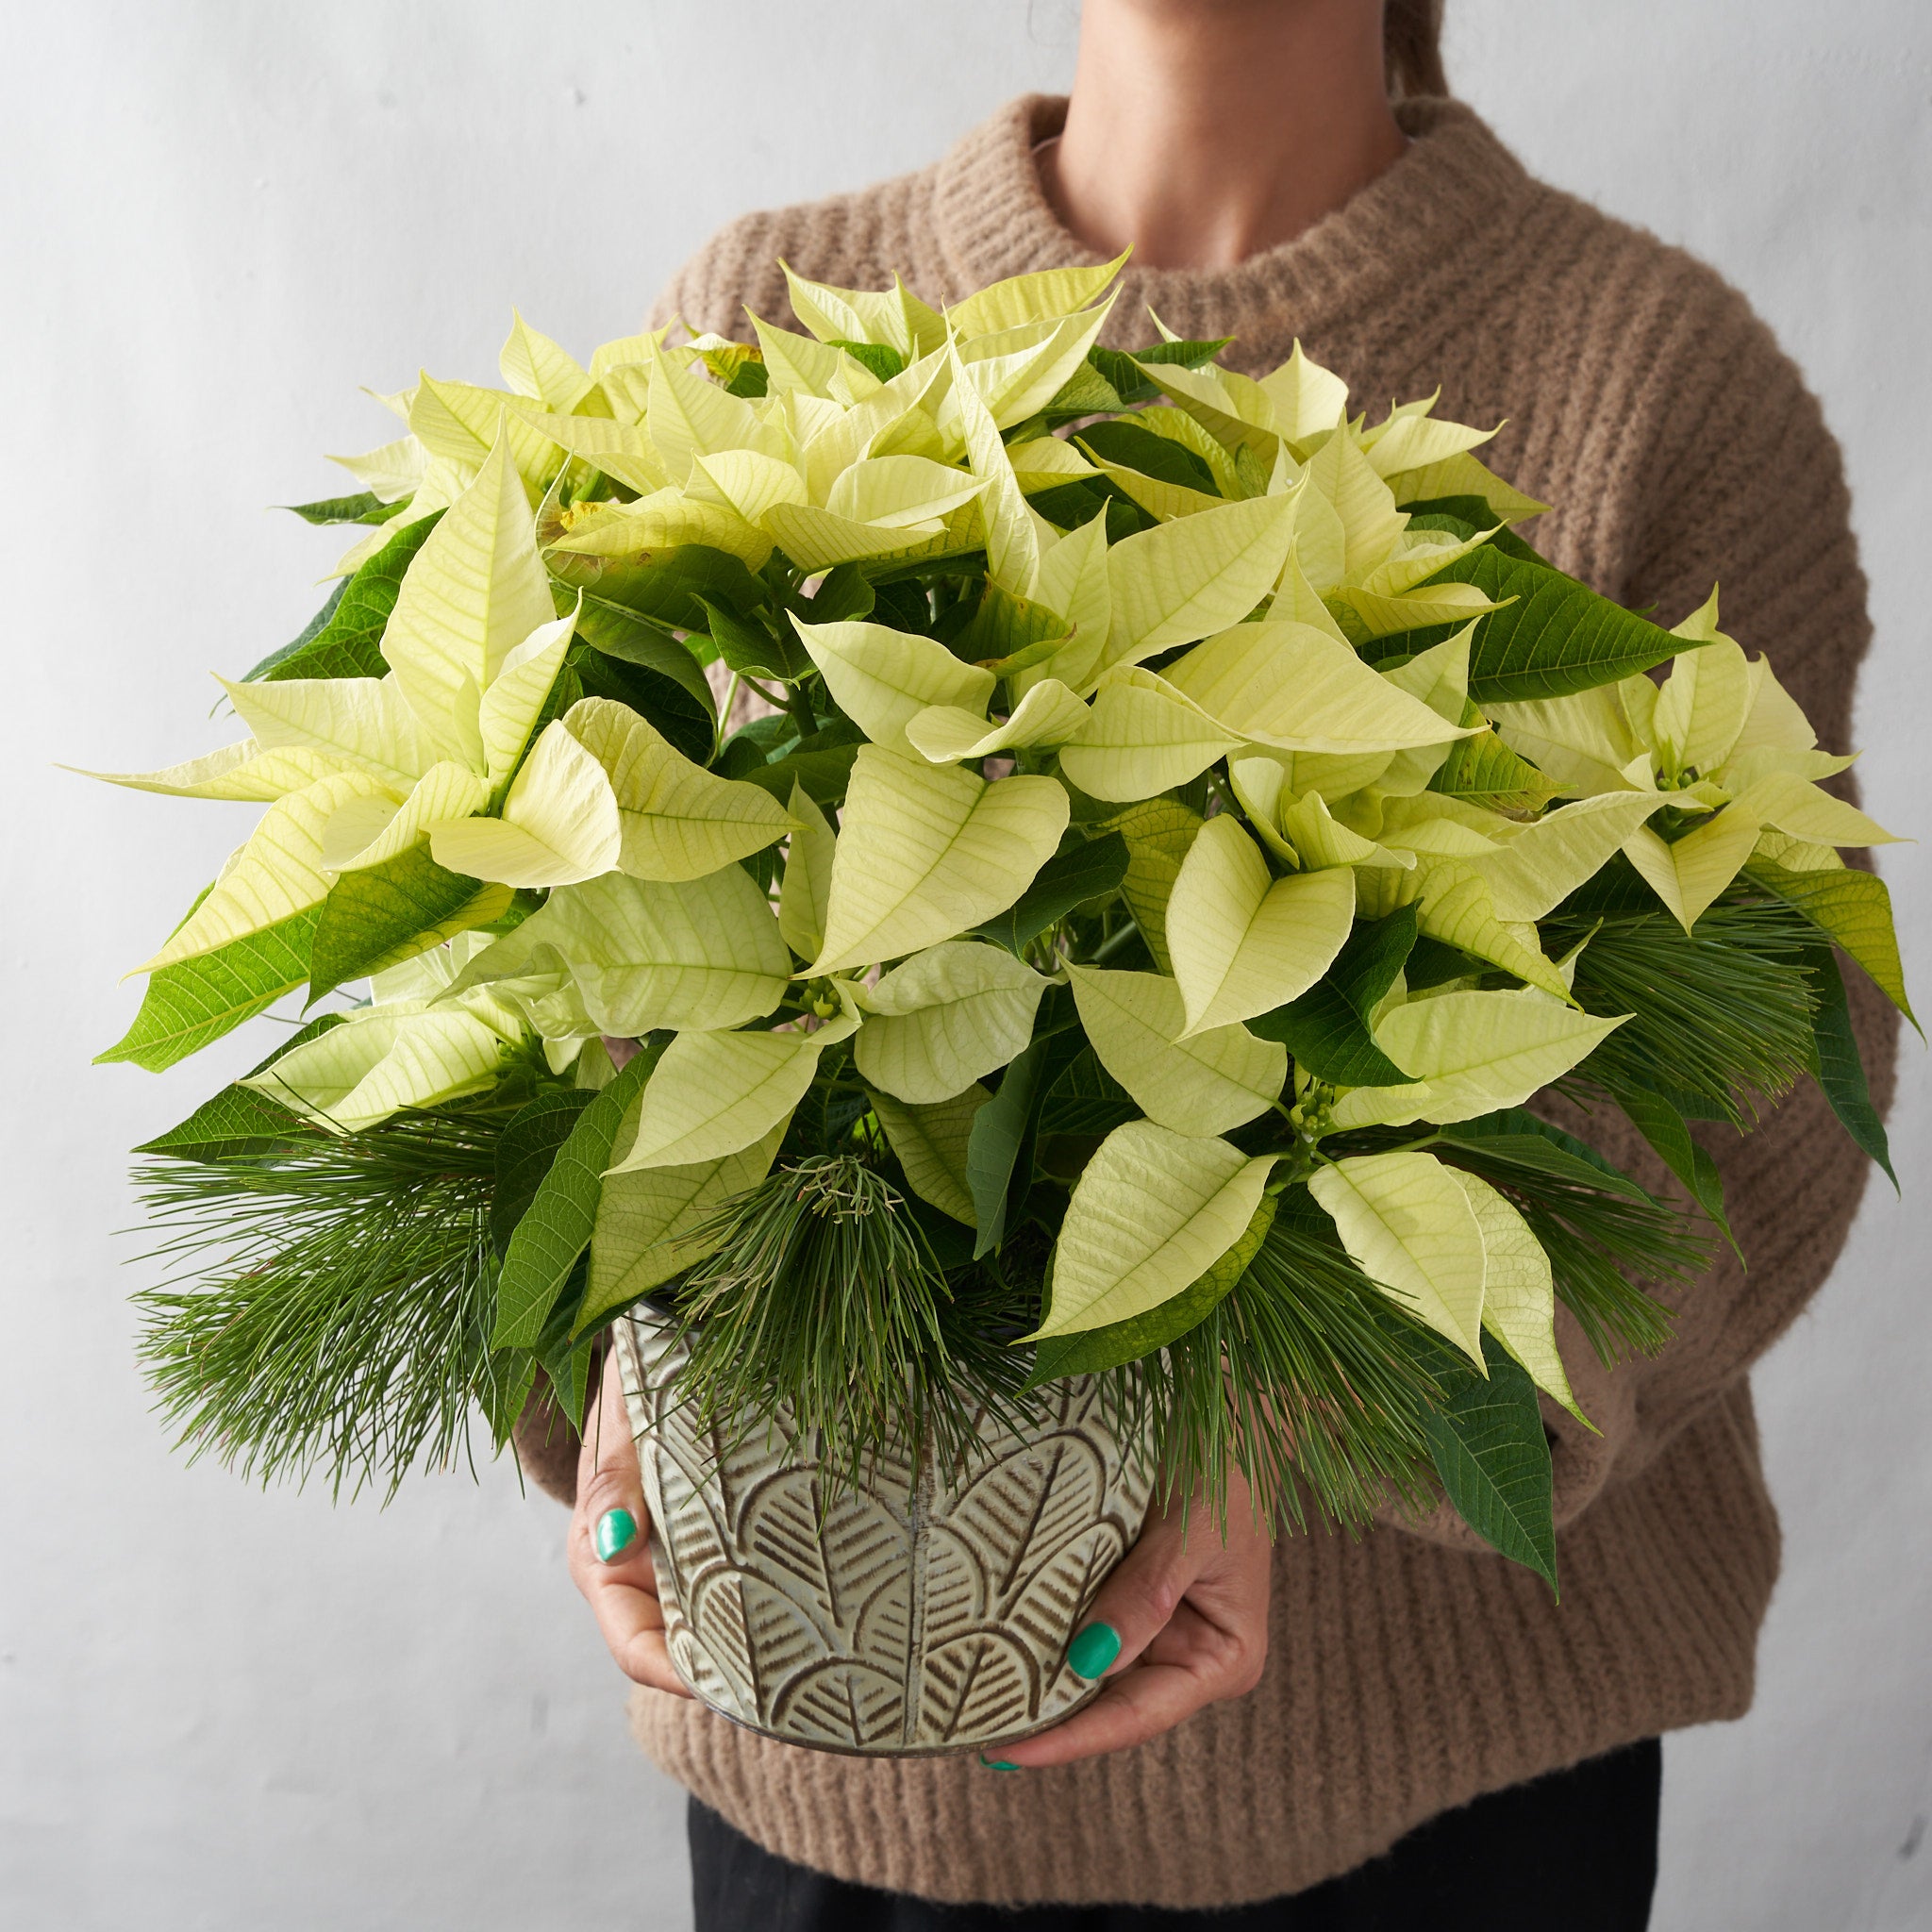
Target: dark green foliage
point(1558, 636)
point(845, 593)
point(1000, 1149)
point(240, 1124)
point(346, 638)
point(1488, 1444)
point(237, 1123)
point(340, 1320)
point(526, 1153)
point(1464, 516)
point(1127, 375)
point(1085, 1100)
point(825, 1293)
point(1070, 505)
point(668, 591)
point(1326, 1029)
point(1007, 633)
point(1126, 443)
point(1836, 1063)
point(756, 647)
point(1484, 770)
point(820, 763)
point(554, 1229)
point(663, 683)
point(1082, 870)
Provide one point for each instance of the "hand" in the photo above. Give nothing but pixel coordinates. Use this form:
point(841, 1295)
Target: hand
point(1191, 1620)
point(610, 1544)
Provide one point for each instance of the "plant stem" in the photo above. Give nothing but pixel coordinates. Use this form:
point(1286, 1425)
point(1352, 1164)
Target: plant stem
point(725, 715)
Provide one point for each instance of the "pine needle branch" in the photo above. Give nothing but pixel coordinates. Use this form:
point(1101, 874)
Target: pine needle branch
point(330, 1308)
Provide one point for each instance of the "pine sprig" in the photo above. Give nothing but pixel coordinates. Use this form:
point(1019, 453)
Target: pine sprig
point(330, 1307)
point(824, 1292)
point(1296, 1379)
point(1720, 1017)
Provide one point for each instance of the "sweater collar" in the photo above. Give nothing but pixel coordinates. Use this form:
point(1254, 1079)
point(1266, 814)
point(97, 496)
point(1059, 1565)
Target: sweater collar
point(994, 221)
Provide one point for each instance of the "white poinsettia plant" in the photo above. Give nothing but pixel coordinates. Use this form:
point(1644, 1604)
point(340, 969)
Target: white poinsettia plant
point(1180, 829)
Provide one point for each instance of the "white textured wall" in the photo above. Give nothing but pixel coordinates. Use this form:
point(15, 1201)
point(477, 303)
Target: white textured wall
point(220, 1709)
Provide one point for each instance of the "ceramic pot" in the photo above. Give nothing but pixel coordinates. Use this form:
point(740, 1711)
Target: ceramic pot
point(925, 1614)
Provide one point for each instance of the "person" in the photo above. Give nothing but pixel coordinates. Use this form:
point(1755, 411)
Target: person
point(1400, 1728)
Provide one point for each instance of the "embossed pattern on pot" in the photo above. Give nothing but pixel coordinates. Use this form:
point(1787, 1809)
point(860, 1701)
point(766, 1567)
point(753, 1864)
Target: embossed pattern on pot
point(921, 1616)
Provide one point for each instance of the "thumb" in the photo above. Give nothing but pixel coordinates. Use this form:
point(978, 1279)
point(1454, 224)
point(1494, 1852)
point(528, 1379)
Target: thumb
point(1138, 1601)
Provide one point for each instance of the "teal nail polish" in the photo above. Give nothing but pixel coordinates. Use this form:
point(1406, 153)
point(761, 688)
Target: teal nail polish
point(617, 1529)
point(1090, 1653)
point(997, 1764)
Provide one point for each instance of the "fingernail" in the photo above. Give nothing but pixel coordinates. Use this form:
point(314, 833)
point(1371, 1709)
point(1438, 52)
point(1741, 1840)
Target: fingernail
point(1090, 1653)
point(997, 1764)
point(617, 1529)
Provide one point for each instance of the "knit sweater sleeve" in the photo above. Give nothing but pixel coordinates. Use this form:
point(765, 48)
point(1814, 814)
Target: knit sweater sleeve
point(735, 270)
point(1734, 481)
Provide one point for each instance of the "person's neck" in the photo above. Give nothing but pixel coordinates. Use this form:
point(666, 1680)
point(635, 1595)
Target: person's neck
point(1201, 132)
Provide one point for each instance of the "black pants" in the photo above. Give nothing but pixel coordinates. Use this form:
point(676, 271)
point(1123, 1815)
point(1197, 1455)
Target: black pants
point(1575, 1850)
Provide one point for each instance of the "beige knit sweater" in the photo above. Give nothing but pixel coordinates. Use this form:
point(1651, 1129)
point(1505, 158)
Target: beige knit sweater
point(1410, 1670)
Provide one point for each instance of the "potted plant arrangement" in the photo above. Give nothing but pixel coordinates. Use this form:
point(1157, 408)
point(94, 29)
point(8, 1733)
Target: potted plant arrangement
point(1078, 1036)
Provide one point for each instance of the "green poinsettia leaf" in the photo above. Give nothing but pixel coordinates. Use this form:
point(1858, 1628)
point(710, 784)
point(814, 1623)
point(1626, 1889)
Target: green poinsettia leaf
point(365, 507)
point(1086, 1101)
point(999, 1155)
point(526, 1152)
point(754, 647)
point(1839, 1069)
point(1082, 870)
point(1490, 1448)
point(1486, 772)
point(1558, 636)
point(346, 641)
point(240, 1124)
point(554, 1229)
point(1326, 1028)
point(1518, 1138)
point(380, 915)
point(197, 1000)
point(1663, 1124)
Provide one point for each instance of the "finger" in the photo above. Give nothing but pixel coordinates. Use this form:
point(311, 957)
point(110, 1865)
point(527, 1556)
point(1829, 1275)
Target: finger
point(1192, 1663)
point(1136, 1601)
point(609, 1544)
